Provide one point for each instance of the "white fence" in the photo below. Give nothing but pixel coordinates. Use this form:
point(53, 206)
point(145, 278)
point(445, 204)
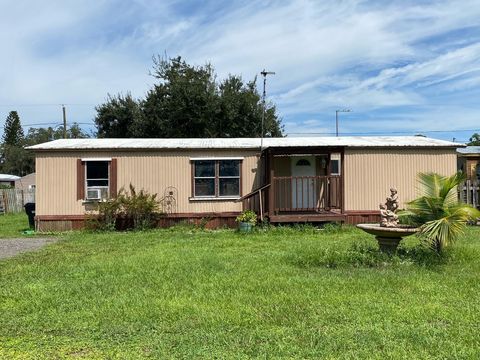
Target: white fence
point(469, 193)
point(13, 200)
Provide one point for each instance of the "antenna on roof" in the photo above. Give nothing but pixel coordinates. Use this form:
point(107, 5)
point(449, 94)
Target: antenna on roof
point(336, 118)
point(64, 111)
point(264, 74)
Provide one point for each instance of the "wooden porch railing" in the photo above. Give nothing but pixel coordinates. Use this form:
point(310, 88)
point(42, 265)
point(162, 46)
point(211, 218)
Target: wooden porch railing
point(307, 193)
point(256, 200)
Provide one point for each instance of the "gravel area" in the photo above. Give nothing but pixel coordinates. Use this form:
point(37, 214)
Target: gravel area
point(13, 247)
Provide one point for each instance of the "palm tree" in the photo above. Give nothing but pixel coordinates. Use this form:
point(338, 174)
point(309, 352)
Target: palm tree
point(437, 212)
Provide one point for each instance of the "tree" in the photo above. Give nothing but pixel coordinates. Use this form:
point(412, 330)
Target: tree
point(187, 101)
point(437, 212)
point(241, 110)
point(40, 135)
point(118, 116)
point(12, 130)
point(17, 160)
point(183, 104)
point(474, 140)
point(14, 159)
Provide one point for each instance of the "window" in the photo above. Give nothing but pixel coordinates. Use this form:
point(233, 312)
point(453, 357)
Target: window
point(335, 164)
point(97, 179)
point(216, 178)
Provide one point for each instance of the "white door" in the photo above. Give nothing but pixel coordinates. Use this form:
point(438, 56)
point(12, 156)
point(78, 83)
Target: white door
point(303, 189)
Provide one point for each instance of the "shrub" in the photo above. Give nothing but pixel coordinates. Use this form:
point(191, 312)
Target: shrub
point(140, 207)
point(128, 210)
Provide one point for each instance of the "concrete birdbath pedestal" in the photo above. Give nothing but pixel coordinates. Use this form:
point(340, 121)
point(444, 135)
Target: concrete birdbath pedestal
point(388, 238)
point(389, 233)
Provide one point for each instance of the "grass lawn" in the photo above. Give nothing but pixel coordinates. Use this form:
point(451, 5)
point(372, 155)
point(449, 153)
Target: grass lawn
point(283, 293)
point(13, 225)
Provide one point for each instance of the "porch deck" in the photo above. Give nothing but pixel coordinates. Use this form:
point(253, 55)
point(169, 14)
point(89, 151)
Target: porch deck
point(300, 186)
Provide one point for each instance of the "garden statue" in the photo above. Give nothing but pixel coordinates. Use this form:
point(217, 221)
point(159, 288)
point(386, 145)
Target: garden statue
point(387, 211)
point(389, 233)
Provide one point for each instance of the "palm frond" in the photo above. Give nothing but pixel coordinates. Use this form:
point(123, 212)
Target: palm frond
point(441, 217)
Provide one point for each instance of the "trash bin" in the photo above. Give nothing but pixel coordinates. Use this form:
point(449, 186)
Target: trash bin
point(30, 210)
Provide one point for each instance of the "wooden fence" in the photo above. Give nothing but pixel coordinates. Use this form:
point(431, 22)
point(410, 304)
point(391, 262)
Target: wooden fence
point(469, 193)
point(13, 200)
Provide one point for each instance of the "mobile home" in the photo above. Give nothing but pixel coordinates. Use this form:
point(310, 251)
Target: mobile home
point(300, 179)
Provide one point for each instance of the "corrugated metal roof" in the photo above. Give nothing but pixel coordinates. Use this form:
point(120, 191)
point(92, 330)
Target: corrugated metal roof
point(244, 143)
point(7, 177)
point(469, 150)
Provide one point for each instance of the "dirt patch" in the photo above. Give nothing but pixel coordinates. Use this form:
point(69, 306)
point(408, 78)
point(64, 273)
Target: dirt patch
point(13, 247)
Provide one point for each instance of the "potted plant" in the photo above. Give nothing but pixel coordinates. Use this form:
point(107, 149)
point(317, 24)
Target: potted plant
point(246, 221)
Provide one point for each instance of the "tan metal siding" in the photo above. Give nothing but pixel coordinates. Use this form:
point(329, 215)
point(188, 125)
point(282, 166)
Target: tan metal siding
point(370, 173)
point(152, 171)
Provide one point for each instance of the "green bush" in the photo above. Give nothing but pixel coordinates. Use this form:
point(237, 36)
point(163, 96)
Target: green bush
point(128, 210)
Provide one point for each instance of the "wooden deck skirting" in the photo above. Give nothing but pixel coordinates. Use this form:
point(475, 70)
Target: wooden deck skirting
point(210, 220)
point(216, 220)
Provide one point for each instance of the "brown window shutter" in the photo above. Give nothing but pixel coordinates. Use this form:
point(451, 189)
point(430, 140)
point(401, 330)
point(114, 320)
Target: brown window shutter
point(80, 180)
point(113, 178)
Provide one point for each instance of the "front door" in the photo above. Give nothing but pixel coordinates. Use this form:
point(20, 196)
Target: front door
point(304, 194)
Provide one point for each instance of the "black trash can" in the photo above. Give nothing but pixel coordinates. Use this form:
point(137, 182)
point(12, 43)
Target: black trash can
point(30, 210)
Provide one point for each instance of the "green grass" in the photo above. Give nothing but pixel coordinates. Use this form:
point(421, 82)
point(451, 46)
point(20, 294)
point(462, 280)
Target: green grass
point(13, 225)
point(283, 293)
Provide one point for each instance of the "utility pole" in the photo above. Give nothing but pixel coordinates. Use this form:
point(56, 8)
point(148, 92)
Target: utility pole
point(336, 119)
point(64, 121)
point(264, 74)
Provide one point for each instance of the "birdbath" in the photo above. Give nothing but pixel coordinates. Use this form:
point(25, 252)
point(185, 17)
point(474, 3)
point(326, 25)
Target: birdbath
point(388, 232)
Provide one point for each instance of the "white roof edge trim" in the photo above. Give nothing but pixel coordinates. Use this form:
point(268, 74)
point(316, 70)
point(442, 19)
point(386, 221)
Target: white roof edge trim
point(97, 159)
point(241, 143)
point(217, 158)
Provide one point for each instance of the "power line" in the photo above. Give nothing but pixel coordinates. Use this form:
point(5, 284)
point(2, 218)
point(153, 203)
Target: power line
point(57, 123)
point(32, 105)
point(384, 132)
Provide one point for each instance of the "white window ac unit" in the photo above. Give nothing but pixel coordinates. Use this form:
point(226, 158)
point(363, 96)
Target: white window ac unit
point(94, 194)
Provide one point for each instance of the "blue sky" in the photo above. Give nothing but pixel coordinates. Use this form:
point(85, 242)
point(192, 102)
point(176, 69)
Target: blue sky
point(403, 67)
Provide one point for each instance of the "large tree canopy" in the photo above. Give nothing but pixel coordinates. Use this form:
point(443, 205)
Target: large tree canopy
point(187, 101)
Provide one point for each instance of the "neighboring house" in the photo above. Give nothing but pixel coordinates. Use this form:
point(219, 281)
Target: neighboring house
point(289, 180)
point(26, 182)
point(469, 162)
point(8, 180)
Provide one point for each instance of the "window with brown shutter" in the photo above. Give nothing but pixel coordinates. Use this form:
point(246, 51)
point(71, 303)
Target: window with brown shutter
point(80, 179)
point(96, 179)
point(113, 178)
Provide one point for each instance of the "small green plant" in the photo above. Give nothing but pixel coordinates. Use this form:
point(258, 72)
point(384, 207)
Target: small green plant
point(248, 216)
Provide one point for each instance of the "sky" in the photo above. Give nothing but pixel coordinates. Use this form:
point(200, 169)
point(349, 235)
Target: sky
point(402, 67)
